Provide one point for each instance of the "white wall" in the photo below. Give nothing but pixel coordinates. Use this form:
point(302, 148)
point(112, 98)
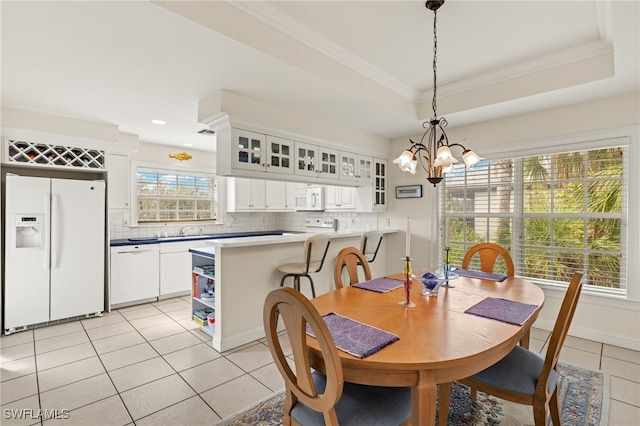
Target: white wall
point(598, 318)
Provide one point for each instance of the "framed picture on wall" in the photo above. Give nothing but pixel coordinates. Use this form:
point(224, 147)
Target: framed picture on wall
point(409, 191)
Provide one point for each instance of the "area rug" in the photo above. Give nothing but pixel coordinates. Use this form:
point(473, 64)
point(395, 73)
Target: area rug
point(583, 395)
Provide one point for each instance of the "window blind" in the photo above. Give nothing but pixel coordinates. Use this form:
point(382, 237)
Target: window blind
point(169, 196)
point(555, 213)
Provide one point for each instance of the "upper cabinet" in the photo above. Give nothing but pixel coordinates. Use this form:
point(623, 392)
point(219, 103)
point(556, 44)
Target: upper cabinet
point(379, 184)
point(250, 150)
point(244, 195)
point(374, 198)
point(340, 198)
point(280, 155)
point(355, 167)
point(316, 161)
point(262, 153)
point(118, 183)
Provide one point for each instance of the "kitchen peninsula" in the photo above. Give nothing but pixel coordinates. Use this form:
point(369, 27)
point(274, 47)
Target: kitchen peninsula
point(246, 270)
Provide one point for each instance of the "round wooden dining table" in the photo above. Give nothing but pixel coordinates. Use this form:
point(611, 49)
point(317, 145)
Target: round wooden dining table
point(439, 343)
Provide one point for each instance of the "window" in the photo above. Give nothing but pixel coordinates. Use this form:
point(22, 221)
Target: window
point(175, 196)
point(555, 213)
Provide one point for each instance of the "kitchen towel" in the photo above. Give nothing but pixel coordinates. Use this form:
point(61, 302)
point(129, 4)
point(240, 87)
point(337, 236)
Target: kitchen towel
point(355, 338)
point(379, 285)
point(503, 310)
point(482, 275)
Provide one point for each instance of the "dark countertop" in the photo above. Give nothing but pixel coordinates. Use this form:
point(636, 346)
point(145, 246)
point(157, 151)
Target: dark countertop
point(156, 240)
point(208, 252)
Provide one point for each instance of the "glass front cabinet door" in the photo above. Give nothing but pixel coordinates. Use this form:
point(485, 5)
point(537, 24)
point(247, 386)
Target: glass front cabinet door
point(379, 184)
point(280, 155)
point(249, 150)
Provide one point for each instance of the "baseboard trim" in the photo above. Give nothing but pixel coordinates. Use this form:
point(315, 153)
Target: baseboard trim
point(595, 335)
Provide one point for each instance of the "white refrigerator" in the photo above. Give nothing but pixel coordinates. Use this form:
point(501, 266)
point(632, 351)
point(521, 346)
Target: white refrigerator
point(54, 250)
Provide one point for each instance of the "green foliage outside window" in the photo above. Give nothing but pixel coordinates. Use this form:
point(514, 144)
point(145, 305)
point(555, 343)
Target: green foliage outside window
point(556, 214)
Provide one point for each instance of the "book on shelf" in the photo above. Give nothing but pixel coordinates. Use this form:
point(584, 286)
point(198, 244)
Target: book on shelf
point(202, 284)
point(203, 313)
point(198, 320)
point(209, 270)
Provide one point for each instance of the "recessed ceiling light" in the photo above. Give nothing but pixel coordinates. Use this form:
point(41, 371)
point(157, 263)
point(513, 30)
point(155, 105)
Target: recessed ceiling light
point(158, 122)
point(187, 144)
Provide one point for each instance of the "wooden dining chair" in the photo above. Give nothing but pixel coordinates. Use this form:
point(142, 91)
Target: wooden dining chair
point(313, 398)
point(350, 258)
point(523, 376)
point(488, 253)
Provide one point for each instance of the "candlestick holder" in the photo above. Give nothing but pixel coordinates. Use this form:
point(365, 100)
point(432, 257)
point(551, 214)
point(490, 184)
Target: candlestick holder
point(408, 283)
point(446, 268)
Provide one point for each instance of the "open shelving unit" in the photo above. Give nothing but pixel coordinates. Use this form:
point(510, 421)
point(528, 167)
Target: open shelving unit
point(203, 274)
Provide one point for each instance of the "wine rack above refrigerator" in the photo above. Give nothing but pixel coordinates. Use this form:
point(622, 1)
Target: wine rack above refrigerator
point(47, 155)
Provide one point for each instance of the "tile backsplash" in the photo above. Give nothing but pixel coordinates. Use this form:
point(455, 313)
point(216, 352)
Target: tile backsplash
point(241, 222)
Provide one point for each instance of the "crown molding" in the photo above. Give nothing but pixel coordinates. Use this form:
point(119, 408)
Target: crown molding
point(273, 16)
point(542, 63)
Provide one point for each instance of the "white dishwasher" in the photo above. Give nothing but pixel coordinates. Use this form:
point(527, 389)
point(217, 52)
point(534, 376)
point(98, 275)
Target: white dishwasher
point(135, 273)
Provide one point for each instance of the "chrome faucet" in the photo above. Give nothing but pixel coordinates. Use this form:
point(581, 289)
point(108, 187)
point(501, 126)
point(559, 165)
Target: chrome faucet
point(184, 230)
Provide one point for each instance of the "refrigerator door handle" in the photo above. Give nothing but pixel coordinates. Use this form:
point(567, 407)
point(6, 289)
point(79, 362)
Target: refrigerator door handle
point(47, 243)
point(55, 214)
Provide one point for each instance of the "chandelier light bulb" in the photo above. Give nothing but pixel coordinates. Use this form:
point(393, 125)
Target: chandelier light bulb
point(448, 169)
point(407, 162)
point(471, 158)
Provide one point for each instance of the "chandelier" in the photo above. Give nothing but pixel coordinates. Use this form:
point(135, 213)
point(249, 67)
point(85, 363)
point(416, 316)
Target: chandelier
point(434, 150)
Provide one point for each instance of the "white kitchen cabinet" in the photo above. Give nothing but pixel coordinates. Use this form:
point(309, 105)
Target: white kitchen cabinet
point(175, 267)
point(245, 195)
point(316, 161)
point(135, 274)
point(374, 198)
point(290, 196)
point(119, 174)
point(275, 195)
point(248, 150)
point(279, 155)
point(340, 198)
point(355, 167)
point(379, 184)
point(262, 153)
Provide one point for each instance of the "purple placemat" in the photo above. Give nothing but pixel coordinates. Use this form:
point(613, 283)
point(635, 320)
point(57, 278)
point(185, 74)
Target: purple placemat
point(482, 275)
point(355, 338)
point(503, 310)
point(379, 285)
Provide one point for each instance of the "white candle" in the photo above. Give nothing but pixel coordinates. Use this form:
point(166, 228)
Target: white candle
point(446, 233)
point(408, 247)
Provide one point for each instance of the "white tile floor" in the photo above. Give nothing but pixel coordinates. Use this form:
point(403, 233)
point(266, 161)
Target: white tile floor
point(149, 365)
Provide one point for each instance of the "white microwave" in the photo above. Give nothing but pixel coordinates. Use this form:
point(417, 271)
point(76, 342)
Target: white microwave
point(310, 199)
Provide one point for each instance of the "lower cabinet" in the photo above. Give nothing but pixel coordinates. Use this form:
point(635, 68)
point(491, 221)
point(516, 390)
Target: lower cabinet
point(175, 267)
point(134, 273)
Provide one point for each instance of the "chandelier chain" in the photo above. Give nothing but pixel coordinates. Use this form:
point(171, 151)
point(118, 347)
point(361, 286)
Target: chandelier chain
point(435, 66)
point(433, 153)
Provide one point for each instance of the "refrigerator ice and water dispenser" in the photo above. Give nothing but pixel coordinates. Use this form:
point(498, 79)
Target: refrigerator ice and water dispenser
point(28, 231)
